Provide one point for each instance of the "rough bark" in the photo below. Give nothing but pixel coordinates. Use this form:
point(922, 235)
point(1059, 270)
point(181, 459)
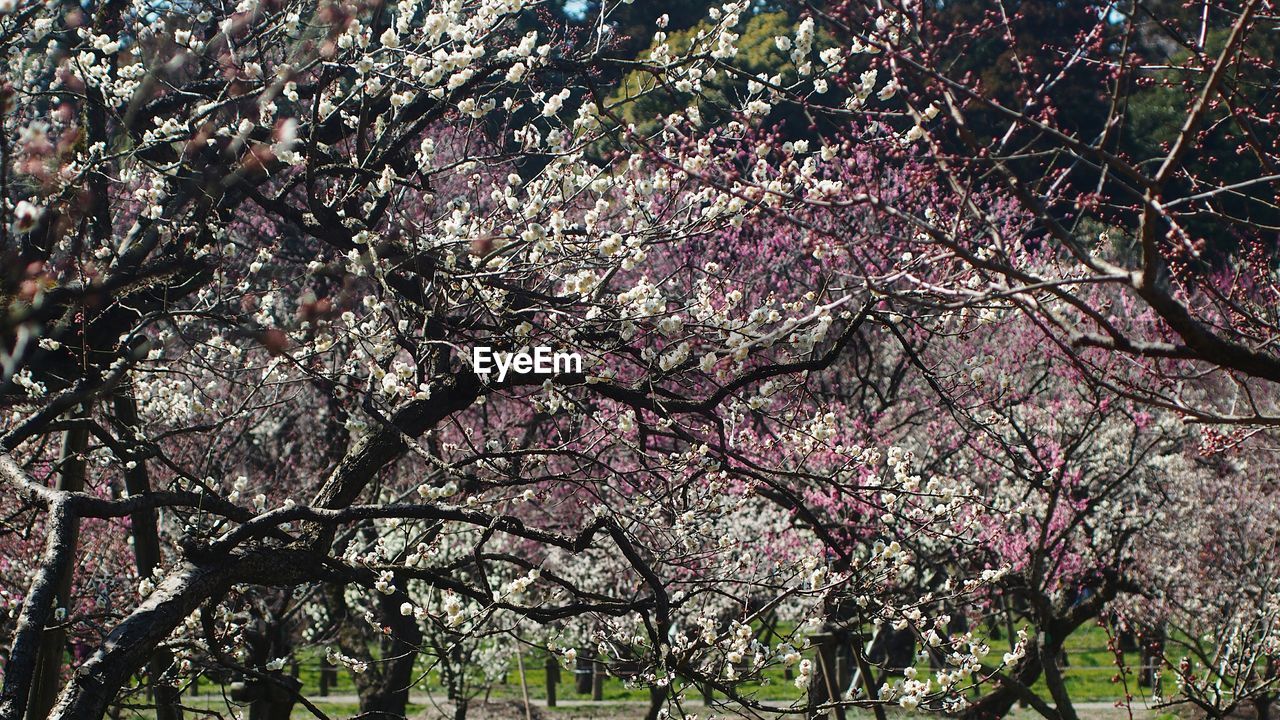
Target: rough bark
point(36, 609)
point(376, 450)
point(1042, 647)
point(129, 646)
point(48, 677)
point(147, 557)
point(388, 694)
point(383, 689)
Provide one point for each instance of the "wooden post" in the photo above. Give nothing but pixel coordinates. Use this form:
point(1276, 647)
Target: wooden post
point(524, 685)
point(324, 677)
point(842, 673)
point(861, 645)
point(825, 684)
point(582, 676)
point(553, 677)
point(597, 680)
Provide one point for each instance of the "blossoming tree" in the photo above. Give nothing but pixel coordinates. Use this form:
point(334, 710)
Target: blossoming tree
point(250, 250)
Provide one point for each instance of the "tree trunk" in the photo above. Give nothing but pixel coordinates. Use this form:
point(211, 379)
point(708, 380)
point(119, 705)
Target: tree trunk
point(1050, 650)
point(998, 702)
point(147, 557)
point(48, 677)
point(24, 651)
point(273, 700)
point(129, 646)
point(383, 690)
point(657, 700)
point(399, 653)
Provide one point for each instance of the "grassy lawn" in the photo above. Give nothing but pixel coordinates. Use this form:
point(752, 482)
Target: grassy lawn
point(1089, 676)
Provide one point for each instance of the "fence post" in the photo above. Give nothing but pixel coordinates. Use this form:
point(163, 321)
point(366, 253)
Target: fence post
point(597, 680)
point(524, 684)
point(825, 685)
point(324, 677)
point(553, 676)
point(1151, 656)
point(582, 676)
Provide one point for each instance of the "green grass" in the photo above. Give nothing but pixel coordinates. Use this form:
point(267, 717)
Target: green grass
point(1089, 678)
point(217, 707)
